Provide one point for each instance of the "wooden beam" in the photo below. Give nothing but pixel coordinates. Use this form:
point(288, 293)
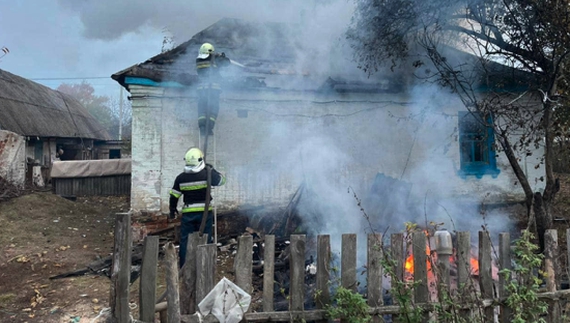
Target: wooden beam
point(121, 269)
point(268, 272)
point(147, 291)
point(297, 273)
point(172, 291)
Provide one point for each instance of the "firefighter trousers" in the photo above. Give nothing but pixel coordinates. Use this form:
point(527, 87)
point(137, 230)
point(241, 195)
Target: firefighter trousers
point(208, 107)
point(190, 223)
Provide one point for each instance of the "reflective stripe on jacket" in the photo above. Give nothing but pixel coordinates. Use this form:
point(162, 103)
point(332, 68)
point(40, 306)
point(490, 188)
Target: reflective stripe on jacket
point(196, 207)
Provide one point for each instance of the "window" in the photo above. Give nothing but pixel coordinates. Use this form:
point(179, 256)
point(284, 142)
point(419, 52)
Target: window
point(39, 151)
point(114, 153)
point(476, 144)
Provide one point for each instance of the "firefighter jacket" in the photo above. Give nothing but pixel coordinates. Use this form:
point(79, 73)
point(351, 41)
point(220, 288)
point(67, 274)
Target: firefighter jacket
point(208, 71)
point(192, 186)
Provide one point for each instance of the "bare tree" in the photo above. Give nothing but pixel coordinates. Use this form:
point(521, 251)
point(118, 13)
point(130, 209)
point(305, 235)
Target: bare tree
point(514, 43)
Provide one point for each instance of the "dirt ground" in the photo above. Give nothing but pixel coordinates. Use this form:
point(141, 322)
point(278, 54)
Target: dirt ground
point(42, 235)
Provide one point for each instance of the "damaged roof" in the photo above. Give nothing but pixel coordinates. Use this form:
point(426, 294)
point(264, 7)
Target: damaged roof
point(31, 109)
point(272, 55)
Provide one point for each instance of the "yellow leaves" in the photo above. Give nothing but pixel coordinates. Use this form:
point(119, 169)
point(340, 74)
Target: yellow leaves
point(22, 259)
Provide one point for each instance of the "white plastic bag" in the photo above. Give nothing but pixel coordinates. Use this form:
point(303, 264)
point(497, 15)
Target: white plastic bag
point(227, 302)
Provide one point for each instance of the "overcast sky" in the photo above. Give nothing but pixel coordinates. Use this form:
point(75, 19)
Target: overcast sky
point(96, 38)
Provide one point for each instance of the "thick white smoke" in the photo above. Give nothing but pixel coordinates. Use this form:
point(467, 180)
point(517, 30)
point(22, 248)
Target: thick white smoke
point(322, 156)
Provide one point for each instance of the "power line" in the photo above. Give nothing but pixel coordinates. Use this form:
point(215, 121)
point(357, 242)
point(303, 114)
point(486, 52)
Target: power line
point(70, 78)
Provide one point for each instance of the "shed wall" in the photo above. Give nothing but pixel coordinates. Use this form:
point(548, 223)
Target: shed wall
point(12, 157)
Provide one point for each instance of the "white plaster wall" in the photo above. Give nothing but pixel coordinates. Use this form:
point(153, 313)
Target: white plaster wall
point(333, 142)
point(147, 148)
point(12, 157)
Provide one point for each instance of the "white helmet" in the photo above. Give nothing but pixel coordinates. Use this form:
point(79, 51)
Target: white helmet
point(205, 50)
point(194, 159)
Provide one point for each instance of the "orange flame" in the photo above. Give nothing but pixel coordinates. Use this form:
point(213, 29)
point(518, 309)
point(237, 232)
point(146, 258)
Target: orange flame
point(409, 265)
point(474, 262)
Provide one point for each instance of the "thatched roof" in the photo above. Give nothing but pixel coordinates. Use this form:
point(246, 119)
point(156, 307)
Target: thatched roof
point(31, 109)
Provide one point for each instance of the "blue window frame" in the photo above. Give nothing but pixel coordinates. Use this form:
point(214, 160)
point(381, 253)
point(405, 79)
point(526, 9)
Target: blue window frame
point(477, 145)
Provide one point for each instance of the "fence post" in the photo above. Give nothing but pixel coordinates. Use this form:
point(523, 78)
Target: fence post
point(323, 271)
point(206, 270)
point(505, 263)
point(551, 266)
point(464, 270)
point(485, 274)
point(421, 292)
point(243, 264)
point(348, 261)
point(121, 270)
point(568, 255)
point(374, 279)
point(268, 272)
point(172, 292)
point(147, 291)
point(444, 250)
point(397, 254)
point(297, 273)
point(188, 277)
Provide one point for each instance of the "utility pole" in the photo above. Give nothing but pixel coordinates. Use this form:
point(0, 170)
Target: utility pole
point(121, 113)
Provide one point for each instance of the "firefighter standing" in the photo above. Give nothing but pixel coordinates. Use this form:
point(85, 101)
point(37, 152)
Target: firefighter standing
point(192, 183)
point(207, 66)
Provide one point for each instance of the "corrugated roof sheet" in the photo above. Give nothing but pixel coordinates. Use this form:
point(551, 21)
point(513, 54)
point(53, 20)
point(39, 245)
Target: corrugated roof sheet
point(31, 109)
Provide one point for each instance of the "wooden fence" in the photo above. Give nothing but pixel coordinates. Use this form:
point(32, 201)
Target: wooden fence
point(185, 288)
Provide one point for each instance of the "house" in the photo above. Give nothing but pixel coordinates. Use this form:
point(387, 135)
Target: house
point(288, 116)
point(39, 125)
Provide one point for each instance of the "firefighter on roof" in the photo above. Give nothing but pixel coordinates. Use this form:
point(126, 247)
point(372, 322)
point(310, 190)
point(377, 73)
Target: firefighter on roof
point(192, 184)
point(207, 66)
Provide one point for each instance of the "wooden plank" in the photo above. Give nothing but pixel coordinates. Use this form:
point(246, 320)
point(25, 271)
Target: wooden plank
point(419, 243)
point(268, 272)
point(398, 257)
point(504, 263)
point(172, 292)
point(374, 272)
point(297, 273)
point(188, 276)
point(147, 290)
point(550, 256)
point(323, 270)
point(551, 266)
point(485, 272)
point(206, 270)
point(463, 258)
point(243, 263)
point(464, 268)
point(348, 261)
point(421, 291)
point(568, 253)
point(121, 269)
